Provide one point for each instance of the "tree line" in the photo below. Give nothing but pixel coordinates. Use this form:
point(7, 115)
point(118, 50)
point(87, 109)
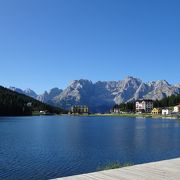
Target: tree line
point(125, 107)
point(13, 103)
point(168, 101)
point(165, 102)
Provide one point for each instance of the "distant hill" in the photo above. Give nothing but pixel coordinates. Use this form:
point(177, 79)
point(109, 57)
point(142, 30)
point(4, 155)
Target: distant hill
point(14, 103)
point(102, 95)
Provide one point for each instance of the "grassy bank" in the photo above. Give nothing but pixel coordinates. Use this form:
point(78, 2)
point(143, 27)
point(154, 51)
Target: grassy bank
point(135, 115)
point(114, 165)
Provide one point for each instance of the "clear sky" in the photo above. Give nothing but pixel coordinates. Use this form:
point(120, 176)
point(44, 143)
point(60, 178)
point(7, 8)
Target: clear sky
point(47, 43)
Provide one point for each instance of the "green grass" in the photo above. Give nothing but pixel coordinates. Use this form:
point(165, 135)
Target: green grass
point(122, 115)
point(36, 113)
point(134, 115)
point(114, 165)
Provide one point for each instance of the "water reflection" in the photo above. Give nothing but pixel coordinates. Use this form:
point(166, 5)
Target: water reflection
point(46, 147)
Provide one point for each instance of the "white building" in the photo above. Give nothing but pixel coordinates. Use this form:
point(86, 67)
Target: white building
point(144, 106)
point(177, 108)
point(166, 112)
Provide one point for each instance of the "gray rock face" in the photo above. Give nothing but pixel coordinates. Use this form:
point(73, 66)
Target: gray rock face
point(30, 93)
point(27, 92)
point(48, 97)
point(43, 97)
point(177, 85)
point(77, 92)
point(102, 95)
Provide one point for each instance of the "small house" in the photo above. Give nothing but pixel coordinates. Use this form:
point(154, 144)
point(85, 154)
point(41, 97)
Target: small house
point(177, 108)
point(156, 111)
point(166, 112)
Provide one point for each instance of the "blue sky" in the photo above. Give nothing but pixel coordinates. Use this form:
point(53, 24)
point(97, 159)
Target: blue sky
point(47, 43)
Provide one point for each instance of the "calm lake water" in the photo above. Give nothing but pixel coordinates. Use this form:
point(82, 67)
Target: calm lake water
point(47, 147)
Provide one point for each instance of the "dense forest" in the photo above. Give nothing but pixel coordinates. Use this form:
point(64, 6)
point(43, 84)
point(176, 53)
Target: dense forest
point(165, 102)
point(125, 107)
point(168, 101)
point(13, 103)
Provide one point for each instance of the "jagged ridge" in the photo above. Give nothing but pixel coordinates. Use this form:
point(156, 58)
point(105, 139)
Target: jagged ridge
point(101, 96)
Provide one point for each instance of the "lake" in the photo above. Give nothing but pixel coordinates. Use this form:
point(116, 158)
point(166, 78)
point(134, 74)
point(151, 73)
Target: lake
point(45, 147)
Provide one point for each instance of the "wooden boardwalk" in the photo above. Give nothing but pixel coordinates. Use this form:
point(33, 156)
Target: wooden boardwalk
point(161, 170)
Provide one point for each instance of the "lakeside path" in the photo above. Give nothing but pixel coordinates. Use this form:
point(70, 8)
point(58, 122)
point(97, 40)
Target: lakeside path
point(161, 170)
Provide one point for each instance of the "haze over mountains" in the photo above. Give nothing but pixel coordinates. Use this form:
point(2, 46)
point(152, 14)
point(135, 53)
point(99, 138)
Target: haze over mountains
point(102, 95)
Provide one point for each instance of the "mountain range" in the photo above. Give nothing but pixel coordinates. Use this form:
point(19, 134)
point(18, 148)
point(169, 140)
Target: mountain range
point(102, 95)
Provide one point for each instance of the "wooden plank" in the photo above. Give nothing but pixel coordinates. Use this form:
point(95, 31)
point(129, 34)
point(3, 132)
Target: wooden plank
point(161, 170)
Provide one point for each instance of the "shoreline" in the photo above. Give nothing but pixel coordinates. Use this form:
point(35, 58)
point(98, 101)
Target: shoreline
point(104, 115)
point(132, 115)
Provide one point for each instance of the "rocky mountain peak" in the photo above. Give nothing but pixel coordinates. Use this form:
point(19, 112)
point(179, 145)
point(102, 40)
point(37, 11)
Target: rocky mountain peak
point(16, 89)
point(162, 83)
point(102, 95)
point(30, 93)
point(27, 92)
point(55, 91)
